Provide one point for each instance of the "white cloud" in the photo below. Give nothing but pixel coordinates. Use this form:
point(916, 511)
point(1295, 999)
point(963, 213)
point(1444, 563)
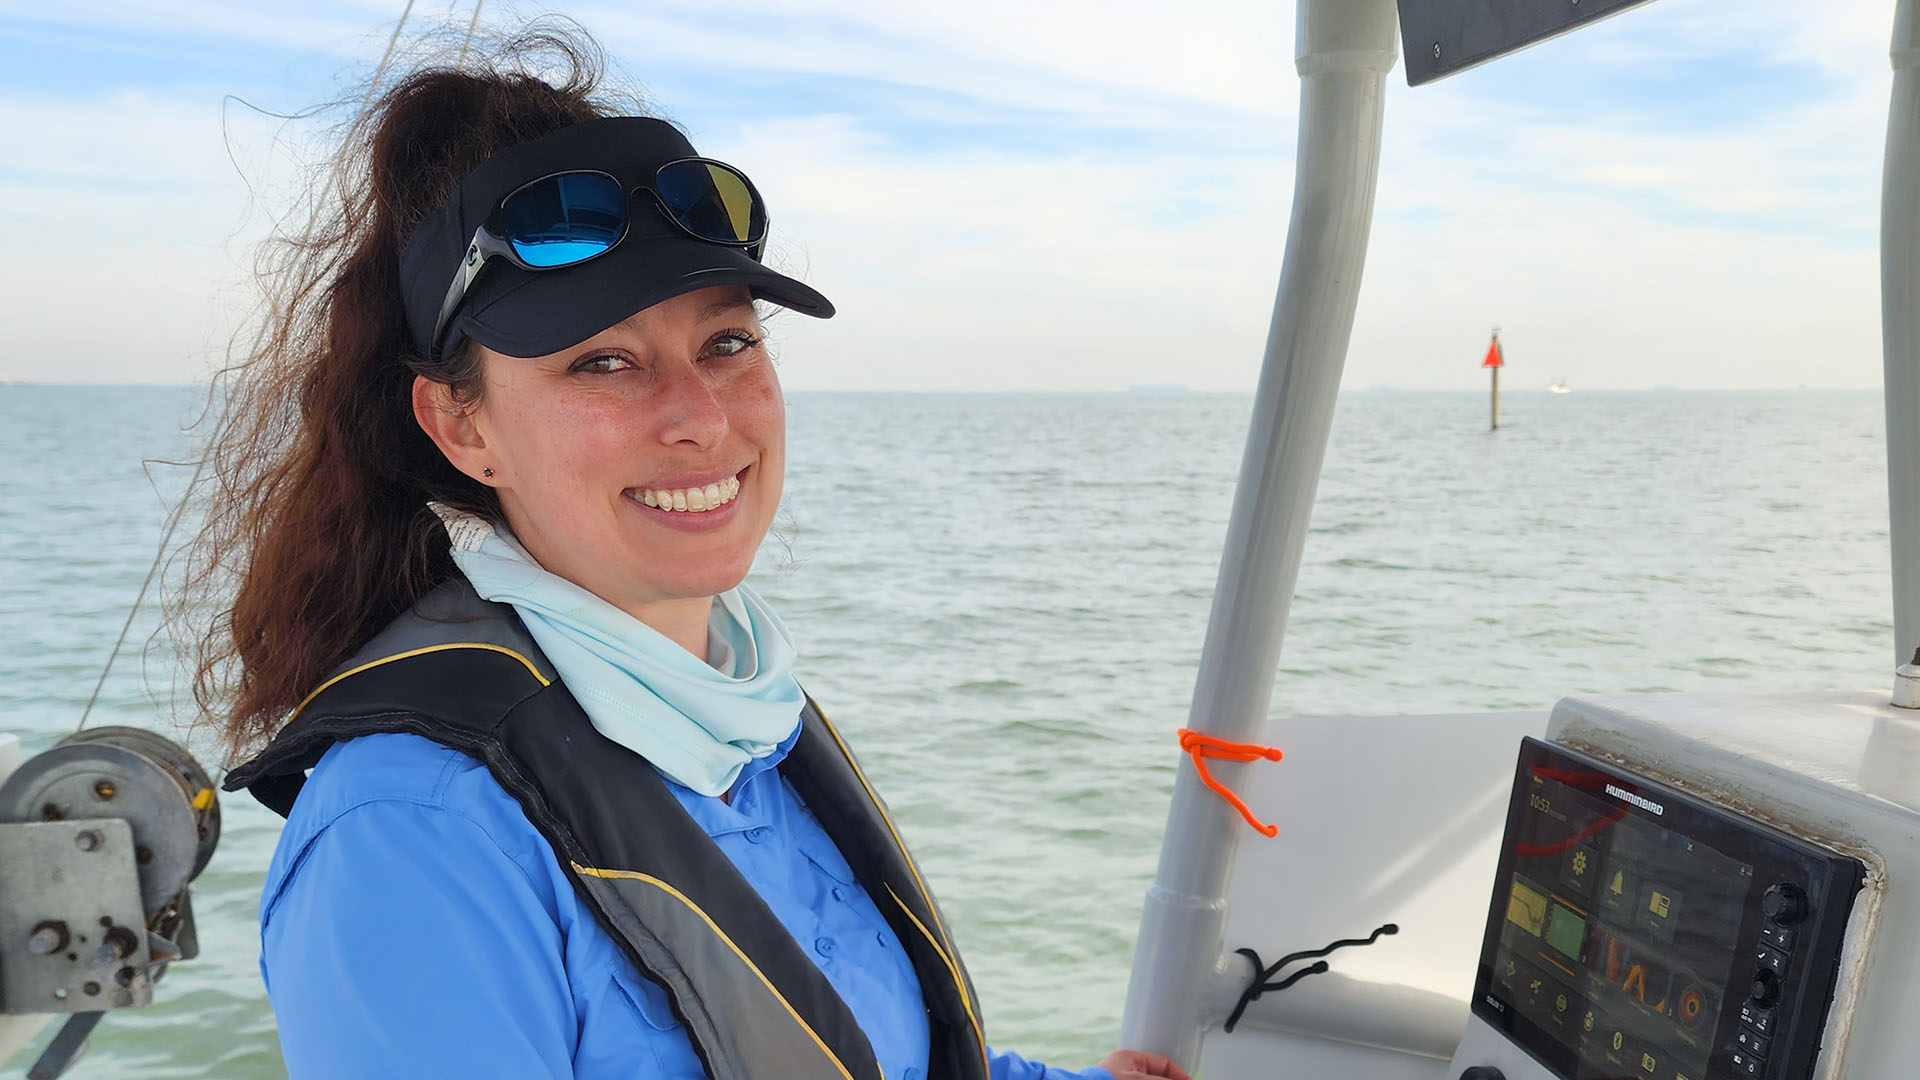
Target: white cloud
point(1613, 248)
point(1133, 59)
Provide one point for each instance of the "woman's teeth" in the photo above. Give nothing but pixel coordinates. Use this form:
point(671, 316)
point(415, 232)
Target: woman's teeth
point(694, 500)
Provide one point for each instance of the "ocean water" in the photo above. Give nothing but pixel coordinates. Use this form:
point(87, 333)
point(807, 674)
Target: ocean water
point(1000, 599)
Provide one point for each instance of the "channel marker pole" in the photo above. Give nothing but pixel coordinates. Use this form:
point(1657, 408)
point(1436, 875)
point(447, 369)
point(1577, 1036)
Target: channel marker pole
point(1494, 362)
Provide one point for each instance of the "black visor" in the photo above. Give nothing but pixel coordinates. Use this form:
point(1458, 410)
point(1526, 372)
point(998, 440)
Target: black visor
point(531, 311)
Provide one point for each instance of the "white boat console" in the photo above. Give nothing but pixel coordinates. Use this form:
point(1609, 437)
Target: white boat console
point(1673, 887)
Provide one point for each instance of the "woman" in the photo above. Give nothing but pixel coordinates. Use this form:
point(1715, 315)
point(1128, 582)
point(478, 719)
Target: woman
point(492, 485)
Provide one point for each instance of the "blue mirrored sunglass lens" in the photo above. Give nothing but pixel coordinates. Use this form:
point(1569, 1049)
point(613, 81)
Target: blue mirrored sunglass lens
point(712, 201)
point(564, 219)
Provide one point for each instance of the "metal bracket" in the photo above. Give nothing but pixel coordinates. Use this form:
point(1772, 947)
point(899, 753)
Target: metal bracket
point(73, 935)
point(1445, 36)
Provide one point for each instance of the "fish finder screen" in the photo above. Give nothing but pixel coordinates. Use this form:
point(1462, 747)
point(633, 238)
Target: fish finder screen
point(1619, 934)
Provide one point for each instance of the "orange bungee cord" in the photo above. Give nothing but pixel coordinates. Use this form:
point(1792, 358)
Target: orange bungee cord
point(1202, 747)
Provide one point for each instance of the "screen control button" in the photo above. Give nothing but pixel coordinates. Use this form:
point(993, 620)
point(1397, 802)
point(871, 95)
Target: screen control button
point(1784, 904)
point(1752, 1042)
point(1771, 959)
point(1766, 988)
point(1745, 1064)
point(1483, 1072)
point(1777, 936)
point(1758, 1017)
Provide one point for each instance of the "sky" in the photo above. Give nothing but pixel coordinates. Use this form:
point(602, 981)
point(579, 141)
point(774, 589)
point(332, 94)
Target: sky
point(1032, 194)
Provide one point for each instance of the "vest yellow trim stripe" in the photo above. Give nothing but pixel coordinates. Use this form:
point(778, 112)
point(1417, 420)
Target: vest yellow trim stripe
point(958, 980)
point(349, 673)
point(946, 954)
point(634, 875)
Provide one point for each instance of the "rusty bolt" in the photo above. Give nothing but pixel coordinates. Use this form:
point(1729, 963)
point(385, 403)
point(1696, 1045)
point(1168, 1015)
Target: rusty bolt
point(122, 941)
point(87, 840)
point(143, 854)
point(103, 790)
point(91, 989)
point(51, 812)
point(48, 938)
point(124, 976)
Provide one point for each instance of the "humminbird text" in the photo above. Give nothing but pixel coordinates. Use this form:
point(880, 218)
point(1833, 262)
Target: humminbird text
point(1644, 804)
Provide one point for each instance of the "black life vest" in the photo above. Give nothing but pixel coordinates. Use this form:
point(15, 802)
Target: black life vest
point(464, 672)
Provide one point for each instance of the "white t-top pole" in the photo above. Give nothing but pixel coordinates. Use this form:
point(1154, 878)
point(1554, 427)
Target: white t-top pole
point(1900, 326)
point(1181, 980)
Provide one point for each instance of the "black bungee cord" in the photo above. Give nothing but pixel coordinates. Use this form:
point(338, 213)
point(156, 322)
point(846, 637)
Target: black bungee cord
point(1263, 974)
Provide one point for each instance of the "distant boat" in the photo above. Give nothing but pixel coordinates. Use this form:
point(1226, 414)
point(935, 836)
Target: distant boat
point(1559, 386)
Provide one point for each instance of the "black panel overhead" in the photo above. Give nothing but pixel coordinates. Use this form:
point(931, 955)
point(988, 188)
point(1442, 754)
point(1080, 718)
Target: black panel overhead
point(1444, 36)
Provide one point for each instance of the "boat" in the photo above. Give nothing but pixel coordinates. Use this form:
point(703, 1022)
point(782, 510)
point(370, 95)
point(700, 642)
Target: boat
point(1680, 887)
point(1559, 386)
point(1675, 886)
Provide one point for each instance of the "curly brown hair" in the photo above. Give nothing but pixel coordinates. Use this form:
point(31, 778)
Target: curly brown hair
point(316, 532)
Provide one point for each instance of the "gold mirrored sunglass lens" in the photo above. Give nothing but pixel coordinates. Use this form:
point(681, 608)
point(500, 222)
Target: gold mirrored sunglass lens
point(736, 198)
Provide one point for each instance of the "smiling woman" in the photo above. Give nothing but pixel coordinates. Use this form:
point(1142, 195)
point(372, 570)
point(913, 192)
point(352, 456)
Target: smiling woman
point(556, 804)
point(643, 464)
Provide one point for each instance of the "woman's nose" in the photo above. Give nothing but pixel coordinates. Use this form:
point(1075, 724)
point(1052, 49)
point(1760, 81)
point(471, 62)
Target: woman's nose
point(692, 412)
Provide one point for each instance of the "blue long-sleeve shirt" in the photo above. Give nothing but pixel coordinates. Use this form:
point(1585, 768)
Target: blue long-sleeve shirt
point(414, 923)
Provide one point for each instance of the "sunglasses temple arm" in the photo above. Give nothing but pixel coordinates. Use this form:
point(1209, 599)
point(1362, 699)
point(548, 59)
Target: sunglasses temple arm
point(476, 257)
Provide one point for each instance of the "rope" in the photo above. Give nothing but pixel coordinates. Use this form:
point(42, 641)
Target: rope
point(1202, 747)
point(179, 509)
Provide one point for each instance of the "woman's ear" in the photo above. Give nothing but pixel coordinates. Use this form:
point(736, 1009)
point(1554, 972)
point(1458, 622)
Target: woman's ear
point(452, 429)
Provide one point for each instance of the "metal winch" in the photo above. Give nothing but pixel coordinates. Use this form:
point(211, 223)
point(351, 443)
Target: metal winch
point(100, 836)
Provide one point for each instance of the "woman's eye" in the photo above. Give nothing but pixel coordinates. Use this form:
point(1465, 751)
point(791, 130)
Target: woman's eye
point(732, 343)
point(603, 364)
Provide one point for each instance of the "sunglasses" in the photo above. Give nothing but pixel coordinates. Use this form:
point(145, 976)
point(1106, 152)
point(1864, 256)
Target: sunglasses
point(567, 218)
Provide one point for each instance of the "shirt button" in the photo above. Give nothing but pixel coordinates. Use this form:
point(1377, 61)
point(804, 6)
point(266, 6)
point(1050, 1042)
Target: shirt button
point(910, 1074)
point(755, 836)
point(824, 946)
point(839, 893)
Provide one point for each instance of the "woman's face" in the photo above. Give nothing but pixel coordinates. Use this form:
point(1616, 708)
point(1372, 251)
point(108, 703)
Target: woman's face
point(645, 463)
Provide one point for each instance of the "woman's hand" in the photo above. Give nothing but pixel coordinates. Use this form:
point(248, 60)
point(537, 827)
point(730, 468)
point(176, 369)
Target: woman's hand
point(1134, 1065)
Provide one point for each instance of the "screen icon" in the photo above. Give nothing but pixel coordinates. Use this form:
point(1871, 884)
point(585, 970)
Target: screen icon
point(1527, 909)
point(1618, 888)
point(1566, 931)
point(1581, 870)
point(1693, 1006)
point(1658, 909)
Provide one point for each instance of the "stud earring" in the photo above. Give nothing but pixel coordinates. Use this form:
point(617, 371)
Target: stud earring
point(487, 473)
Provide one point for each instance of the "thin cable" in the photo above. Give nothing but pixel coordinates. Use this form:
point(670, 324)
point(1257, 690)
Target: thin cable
point(1263, 975)
point(179, 509)
point(471, 23)
point(173, 520)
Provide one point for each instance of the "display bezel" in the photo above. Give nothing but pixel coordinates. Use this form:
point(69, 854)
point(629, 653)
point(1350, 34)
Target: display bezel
point(1775, 857)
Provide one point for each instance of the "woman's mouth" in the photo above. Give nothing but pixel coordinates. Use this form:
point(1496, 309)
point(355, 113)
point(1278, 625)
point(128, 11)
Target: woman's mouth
point(689, 500)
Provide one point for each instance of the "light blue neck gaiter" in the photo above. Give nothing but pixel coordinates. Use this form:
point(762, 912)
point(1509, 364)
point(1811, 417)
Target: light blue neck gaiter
point(699, 722)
